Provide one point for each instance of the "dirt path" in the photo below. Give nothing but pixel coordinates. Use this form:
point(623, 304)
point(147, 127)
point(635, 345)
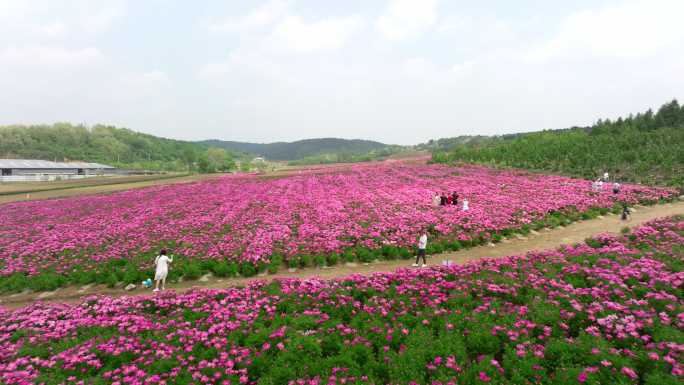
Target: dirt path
point(543, 240)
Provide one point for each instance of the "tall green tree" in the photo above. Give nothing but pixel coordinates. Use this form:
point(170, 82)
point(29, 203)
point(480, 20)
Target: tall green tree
point(646, 148)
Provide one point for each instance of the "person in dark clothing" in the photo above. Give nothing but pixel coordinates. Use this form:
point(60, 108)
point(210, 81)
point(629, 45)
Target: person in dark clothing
point(443, 200)
point(454, 198)
point(625, 212)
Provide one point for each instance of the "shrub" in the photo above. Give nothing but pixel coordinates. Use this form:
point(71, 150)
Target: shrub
point(221, 269)
point(333, 259)
point(192, 271)
point(595, 243)
point(349, 255)
point(14, 283)
point(47, 281)
point(248, 270)
point(364, 255)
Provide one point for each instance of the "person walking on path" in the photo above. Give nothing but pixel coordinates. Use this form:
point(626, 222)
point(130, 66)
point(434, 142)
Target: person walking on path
point(626, 214)
point(422, 244)
point(161, 269)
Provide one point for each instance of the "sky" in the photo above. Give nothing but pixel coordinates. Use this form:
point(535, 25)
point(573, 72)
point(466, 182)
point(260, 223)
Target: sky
point(396, 71)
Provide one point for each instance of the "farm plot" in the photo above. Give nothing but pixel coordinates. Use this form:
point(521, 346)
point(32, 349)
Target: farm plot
point(610, 311)
point(246, 224)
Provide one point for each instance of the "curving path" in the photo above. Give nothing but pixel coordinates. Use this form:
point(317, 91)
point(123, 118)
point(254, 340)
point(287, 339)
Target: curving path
point(543, 240)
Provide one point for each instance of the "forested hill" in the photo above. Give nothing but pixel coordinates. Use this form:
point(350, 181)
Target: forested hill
point(645, 148)
point(301, 148)
point(104, 144)
point(129, 149)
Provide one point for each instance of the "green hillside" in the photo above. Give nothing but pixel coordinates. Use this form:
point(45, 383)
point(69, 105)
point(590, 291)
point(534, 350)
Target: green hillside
point(109, 145)
point(647, 148)
point(302, 149)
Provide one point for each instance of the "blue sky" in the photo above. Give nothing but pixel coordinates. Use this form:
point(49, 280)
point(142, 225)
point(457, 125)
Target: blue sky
point(398, 71)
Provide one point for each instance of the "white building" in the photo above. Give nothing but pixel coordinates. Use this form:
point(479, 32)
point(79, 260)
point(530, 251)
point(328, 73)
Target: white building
point(16, 170)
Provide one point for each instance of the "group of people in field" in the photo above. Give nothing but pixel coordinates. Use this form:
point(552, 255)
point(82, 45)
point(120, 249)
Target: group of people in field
point(445, 199)
point(598, 186)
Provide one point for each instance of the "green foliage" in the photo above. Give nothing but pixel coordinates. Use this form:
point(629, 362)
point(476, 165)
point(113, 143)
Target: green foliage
point(46, 281)
point(221, 269)
point(645, 148)
point(276, 263)
point(191, 270)
point(248, 270)
point(110, 145)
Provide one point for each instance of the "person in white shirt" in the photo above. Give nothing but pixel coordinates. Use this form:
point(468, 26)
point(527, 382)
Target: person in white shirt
point(465, 205)
point(162, 269)
point(435, 200)
point(422, 244)
point(616, 188)
point(605, 177)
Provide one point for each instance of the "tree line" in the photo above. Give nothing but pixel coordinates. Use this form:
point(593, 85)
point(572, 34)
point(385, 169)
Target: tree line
point(643, 148)
point(110, 145)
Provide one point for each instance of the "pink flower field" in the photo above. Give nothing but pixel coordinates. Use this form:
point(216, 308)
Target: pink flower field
point(610, 311)
point(249, 219)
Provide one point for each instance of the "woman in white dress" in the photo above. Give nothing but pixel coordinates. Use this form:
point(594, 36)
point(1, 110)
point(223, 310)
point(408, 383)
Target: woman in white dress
point(162, 269)
point(435, 200)
point(465, 205)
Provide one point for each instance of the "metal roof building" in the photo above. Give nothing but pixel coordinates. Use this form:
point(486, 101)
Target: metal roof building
point(46, 164)
point(29, 169)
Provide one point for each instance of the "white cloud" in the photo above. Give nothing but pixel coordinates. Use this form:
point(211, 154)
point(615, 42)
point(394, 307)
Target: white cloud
point(261, 16)
point(425, 71)
point(152, 84)
point(273, 28)
point(53, 30)
point(405, 19)
point(463, 67)
point(294, 34)
point(152, 78)
point(54, 57)
point(474, 27)
point(240, 61)
point(628, 30)
point(102, 19)
point(14, 9)
point(418, 67)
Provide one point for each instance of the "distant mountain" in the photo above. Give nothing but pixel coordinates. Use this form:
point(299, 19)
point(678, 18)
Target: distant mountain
point(129, 149)
point(299, 149)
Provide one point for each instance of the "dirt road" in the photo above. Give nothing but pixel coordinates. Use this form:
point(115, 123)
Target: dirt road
point(543, 240)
